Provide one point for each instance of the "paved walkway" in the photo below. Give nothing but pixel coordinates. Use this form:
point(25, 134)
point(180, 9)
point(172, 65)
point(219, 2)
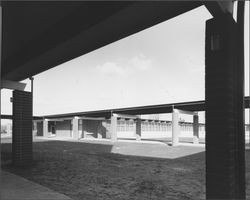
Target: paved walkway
point(14, 187)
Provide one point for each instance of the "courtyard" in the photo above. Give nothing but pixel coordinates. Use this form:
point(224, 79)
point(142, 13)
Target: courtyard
point(122, 170)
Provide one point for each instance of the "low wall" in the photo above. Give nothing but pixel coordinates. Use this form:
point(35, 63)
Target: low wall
point(63, 128)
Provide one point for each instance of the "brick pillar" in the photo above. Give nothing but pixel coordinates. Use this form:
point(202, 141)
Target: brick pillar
point(175, 127)
point(196, 129)
point(22, 128)
point(225, 163)
point(138, 129)
point(113, 128)
point(45, 128)
point(75, 128)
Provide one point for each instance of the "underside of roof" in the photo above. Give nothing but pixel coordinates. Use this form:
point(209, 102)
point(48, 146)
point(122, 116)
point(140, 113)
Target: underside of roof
point(38, 36)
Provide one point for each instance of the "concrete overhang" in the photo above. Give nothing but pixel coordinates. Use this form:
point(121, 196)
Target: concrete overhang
point(39, 35)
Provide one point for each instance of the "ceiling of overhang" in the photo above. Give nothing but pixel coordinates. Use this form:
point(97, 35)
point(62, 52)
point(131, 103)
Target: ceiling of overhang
point(40, 35)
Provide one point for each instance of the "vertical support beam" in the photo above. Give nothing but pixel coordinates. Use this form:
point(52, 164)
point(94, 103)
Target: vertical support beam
point(240, 99)
point(75, 128)
point(113, 128)
point(196, 129)
point(84, 126)
point(175, 127)
point(22, 128)
point(138, 129)
point(45, 128)
point(0, 82)
point(99, 129)
point(225, 163)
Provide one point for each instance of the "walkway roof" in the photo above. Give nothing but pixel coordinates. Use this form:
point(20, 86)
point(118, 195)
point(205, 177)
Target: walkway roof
point(39, 35)
point(140, 110)
point(152, 109)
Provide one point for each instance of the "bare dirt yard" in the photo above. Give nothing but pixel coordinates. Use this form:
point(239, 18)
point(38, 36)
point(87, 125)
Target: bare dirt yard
point(97, 171)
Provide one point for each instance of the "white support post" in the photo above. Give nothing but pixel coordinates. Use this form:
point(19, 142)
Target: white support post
point(175, 128)
point(196, 129)
point(75, 128)
point(45, 128)
point(114, 128)
point(138, 129)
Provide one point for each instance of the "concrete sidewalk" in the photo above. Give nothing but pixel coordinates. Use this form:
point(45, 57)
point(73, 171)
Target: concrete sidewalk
point(14, 187)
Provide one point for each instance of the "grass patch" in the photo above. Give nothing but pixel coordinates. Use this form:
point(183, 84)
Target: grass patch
point(89, 171)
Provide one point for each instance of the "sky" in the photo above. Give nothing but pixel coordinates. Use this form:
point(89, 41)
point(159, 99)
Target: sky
point(162, 64)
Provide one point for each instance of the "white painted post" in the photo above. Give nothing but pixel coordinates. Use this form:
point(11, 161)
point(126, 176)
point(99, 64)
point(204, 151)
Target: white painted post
point(175, 128)
point(45, 128)
point(75, 128)
point(113, 128)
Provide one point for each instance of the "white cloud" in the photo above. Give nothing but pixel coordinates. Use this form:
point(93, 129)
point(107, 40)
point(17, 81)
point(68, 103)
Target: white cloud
point(111, 68)
point(135, 64)
point(140, 63)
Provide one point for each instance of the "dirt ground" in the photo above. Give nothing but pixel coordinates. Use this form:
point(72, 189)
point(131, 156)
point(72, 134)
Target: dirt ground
point(90, 171)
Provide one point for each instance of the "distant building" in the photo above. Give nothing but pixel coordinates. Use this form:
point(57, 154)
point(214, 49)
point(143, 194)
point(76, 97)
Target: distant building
point(150, 128)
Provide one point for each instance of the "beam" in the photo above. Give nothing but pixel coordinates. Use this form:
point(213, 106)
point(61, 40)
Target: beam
point(186, 112)
point(219, 8)
point(93, 118)
point(12, 85)
point(125, 116)
point(59, 119)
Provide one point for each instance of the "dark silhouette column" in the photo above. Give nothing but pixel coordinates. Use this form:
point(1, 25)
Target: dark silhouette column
point(196, 129)
point(22, 128)
point(138, 129)
point(225, 163)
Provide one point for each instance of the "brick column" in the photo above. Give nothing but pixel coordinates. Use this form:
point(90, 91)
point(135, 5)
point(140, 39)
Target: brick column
point(113, 128)
point(225, 163)
point(196, 129)
point(22, 128)
point(138, 129)
point(75, 128)
point(175, 127)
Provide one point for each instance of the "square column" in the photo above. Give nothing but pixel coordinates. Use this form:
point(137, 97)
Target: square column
point(196, 129)
point(75, 128)
point(113, 128)
point(22, 128)
point(45, 128)
point(138, 129)
point(175, 127)
point(225, 153)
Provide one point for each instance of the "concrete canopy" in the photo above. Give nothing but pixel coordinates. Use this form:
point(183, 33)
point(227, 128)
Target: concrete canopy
point(40, 35)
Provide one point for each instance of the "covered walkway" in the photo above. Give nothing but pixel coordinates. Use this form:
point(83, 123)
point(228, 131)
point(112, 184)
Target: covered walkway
point(14, 187)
